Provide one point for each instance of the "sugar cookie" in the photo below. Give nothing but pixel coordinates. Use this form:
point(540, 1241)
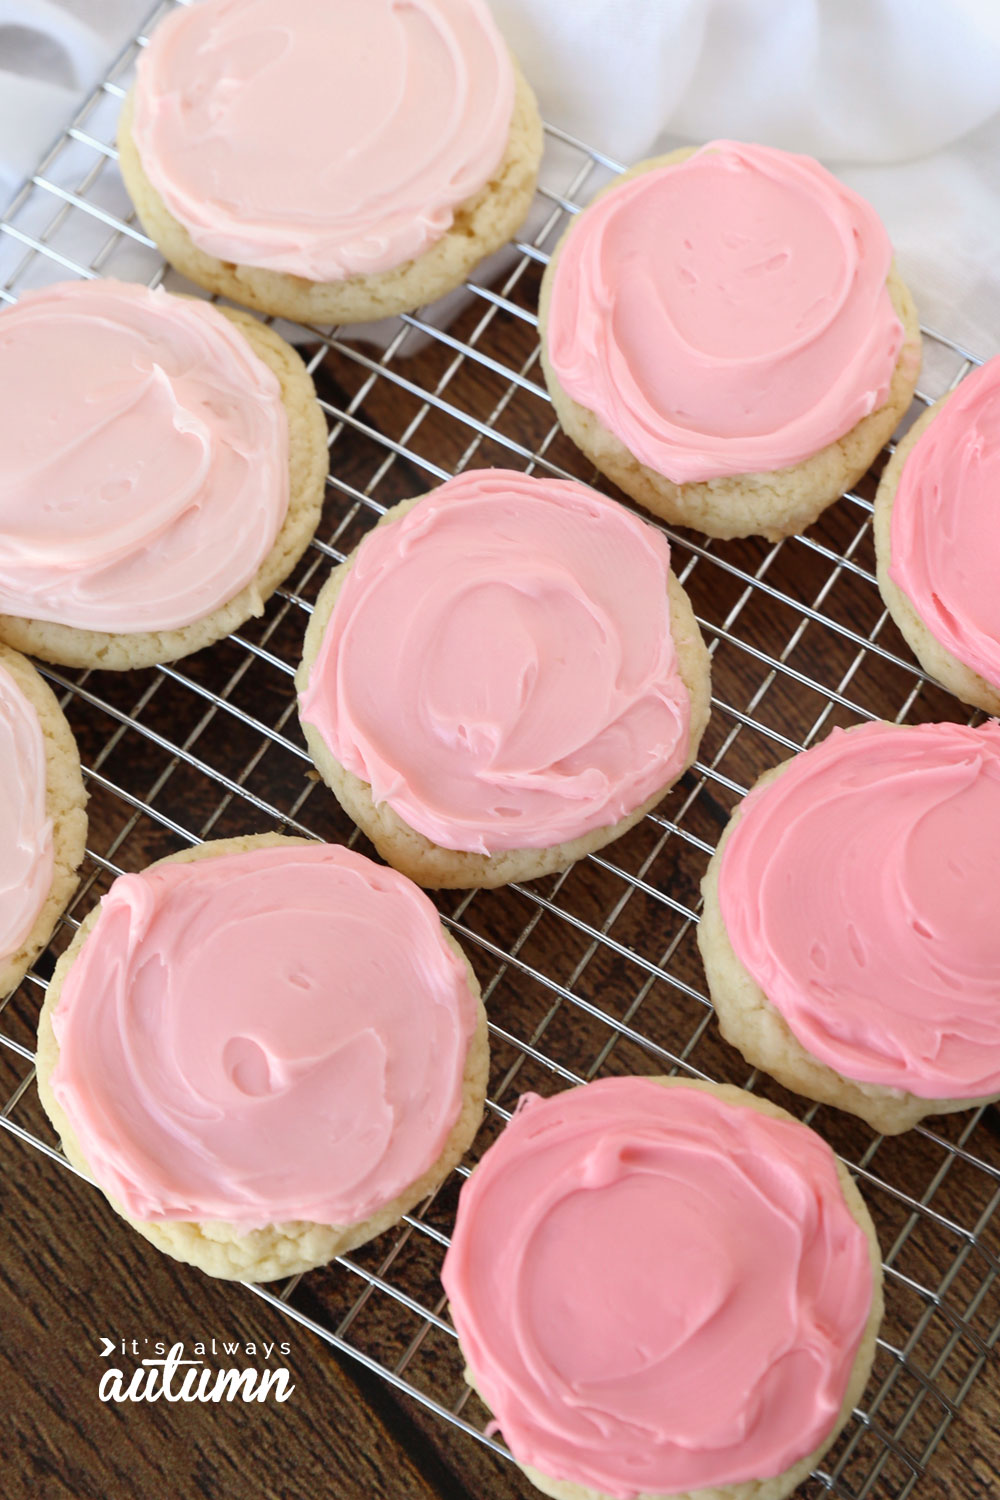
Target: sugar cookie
point(503, 677)
point(43, 825)
point(935, 539)
point(327, 161)
point(162, 469)
point(664, 1288)
point(725, 337)
point(849, 932)
point(265, 1051)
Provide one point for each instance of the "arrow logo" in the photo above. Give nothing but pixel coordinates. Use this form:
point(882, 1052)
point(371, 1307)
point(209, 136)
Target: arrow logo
point(109, 1347)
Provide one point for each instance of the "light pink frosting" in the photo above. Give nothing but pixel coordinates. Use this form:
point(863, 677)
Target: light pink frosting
point(499, 664)
point(944, 542)
point(262, 1037)
point(657, 1291)
point(322, 138)
point(26, 853)
point(859, 890)
point(727, 314)
point(143, 458)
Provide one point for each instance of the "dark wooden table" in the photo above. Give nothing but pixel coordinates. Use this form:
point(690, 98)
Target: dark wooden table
point(71, 1275)
point(576, 969)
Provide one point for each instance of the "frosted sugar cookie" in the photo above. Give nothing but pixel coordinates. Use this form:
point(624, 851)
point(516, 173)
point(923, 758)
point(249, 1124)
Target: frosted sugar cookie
point(328, 161)
point(43, 826)
point(725, 336)
point(162, 468)
point(664, 1288)
point(265, 1052)
point(936, 539)
point(504, 676)
point(849, 933)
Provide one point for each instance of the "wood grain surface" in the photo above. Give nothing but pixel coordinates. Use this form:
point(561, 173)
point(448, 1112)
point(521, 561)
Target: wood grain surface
point(595, 971)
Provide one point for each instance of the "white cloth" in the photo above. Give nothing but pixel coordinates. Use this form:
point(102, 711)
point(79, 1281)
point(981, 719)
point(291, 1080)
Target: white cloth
point(901, 98)
point(52, 53)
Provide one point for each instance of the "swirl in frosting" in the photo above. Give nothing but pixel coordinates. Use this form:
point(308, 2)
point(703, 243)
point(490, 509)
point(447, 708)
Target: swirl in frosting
point(725, 314)
point(859, 891)
point(143, 458)
point(944, 552)
point(26, 849)
point(322, 138)
point(656, 1290)
point(499, 664)
point(260, 1037)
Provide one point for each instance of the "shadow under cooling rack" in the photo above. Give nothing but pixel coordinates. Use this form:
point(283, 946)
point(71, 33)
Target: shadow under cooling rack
point(593, 972)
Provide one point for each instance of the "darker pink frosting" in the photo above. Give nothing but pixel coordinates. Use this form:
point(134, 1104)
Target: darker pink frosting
point(322, 138)
point(657, 1291)
point(859, 890)
point(26, 850)
point(143, 458)
point(499, 664)
point(727, 314)
point(262, 1037)
point(944, 547)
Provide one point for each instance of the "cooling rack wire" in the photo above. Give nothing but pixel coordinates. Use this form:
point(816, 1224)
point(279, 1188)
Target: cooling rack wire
point(590, 973)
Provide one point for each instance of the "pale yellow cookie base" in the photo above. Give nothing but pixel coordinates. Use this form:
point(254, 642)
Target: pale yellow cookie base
point(308, 464)
point(935, 658)
point(750, 1023)
point(225, 1250)
point(773, 505)
point(65, 801)
point(481, 225)
point(782, 1484)
point(428, 863)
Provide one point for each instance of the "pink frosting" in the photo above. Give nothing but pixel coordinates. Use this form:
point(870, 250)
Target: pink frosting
point(499, 664)
point(944, 547)
point(262, 1037)
point(657, 1291)
point(26, 853)
point(727, 314)
point(859, 890)
point(322, 138)
point(143, 458)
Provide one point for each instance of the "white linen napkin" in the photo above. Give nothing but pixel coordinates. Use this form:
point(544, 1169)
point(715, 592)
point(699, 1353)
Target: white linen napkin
point(901, 98)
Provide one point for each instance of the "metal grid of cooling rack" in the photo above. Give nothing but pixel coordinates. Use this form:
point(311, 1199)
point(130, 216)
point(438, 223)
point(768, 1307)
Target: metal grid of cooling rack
point(587, 973)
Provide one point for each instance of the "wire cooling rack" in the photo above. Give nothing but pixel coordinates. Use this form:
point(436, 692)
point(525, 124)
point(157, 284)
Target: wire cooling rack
point(591, 973)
